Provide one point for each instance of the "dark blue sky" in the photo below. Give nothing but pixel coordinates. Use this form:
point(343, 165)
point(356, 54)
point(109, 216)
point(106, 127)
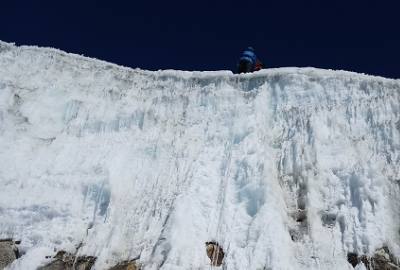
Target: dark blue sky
point(209, 35)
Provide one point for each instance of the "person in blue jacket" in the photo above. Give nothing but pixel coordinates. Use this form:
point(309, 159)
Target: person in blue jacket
point(249, 62)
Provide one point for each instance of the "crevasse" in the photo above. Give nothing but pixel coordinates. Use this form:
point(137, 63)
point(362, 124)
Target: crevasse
point(288, 168)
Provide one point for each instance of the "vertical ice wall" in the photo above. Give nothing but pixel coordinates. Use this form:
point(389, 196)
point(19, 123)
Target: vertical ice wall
point(286, 168)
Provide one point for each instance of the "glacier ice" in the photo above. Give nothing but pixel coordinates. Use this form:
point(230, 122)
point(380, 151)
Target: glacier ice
point(288, 168)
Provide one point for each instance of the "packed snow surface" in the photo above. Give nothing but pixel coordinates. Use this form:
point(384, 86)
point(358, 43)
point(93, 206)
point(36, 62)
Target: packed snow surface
point(288, 168)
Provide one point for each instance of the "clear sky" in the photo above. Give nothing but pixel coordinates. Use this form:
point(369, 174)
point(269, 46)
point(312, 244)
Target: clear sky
point(353, 35)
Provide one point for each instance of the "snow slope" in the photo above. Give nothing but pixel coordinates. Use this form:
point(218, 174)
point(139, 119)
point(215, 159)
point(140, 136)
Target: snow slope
point(286, 168)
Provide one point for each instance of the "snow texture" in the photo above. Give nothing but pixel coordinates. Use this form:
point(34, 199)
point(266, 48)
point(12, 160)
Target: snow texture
point(287, 168)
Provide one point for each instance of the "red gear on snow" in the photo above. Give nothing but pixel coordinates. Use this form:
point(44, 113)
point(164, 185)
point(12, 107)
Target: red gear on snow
point(259, 65)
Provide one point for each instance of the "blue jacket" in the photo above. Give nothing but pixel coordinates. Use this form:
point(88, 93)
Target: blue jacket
point(249, 55)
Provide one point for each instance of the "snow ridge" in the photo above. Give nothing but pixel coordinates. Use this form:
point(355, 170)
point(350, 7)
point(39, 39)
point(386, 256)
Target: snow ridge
point(288, 168)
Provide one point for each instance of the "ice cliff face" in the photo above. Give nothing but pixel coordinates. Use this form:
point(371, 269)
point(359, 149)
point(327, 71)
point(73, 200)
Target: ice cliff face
point(285, 168)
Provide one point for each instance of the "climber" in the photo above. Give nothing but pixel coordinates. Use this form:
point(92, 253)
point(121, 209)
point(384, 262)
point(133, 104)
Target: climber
point(249, 62)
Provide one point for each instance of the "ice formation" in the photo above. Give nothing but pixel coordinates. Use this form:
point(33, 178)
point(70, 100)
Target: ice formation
point(288, 168)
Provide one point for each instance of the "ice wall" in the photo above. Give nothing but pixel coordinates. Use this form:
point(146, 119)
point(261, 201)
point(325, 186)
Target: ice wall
point(287, 168)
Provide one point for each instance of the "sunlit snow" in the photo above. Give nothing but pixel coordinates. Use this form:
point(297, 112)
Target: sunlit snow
point(286, 168)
